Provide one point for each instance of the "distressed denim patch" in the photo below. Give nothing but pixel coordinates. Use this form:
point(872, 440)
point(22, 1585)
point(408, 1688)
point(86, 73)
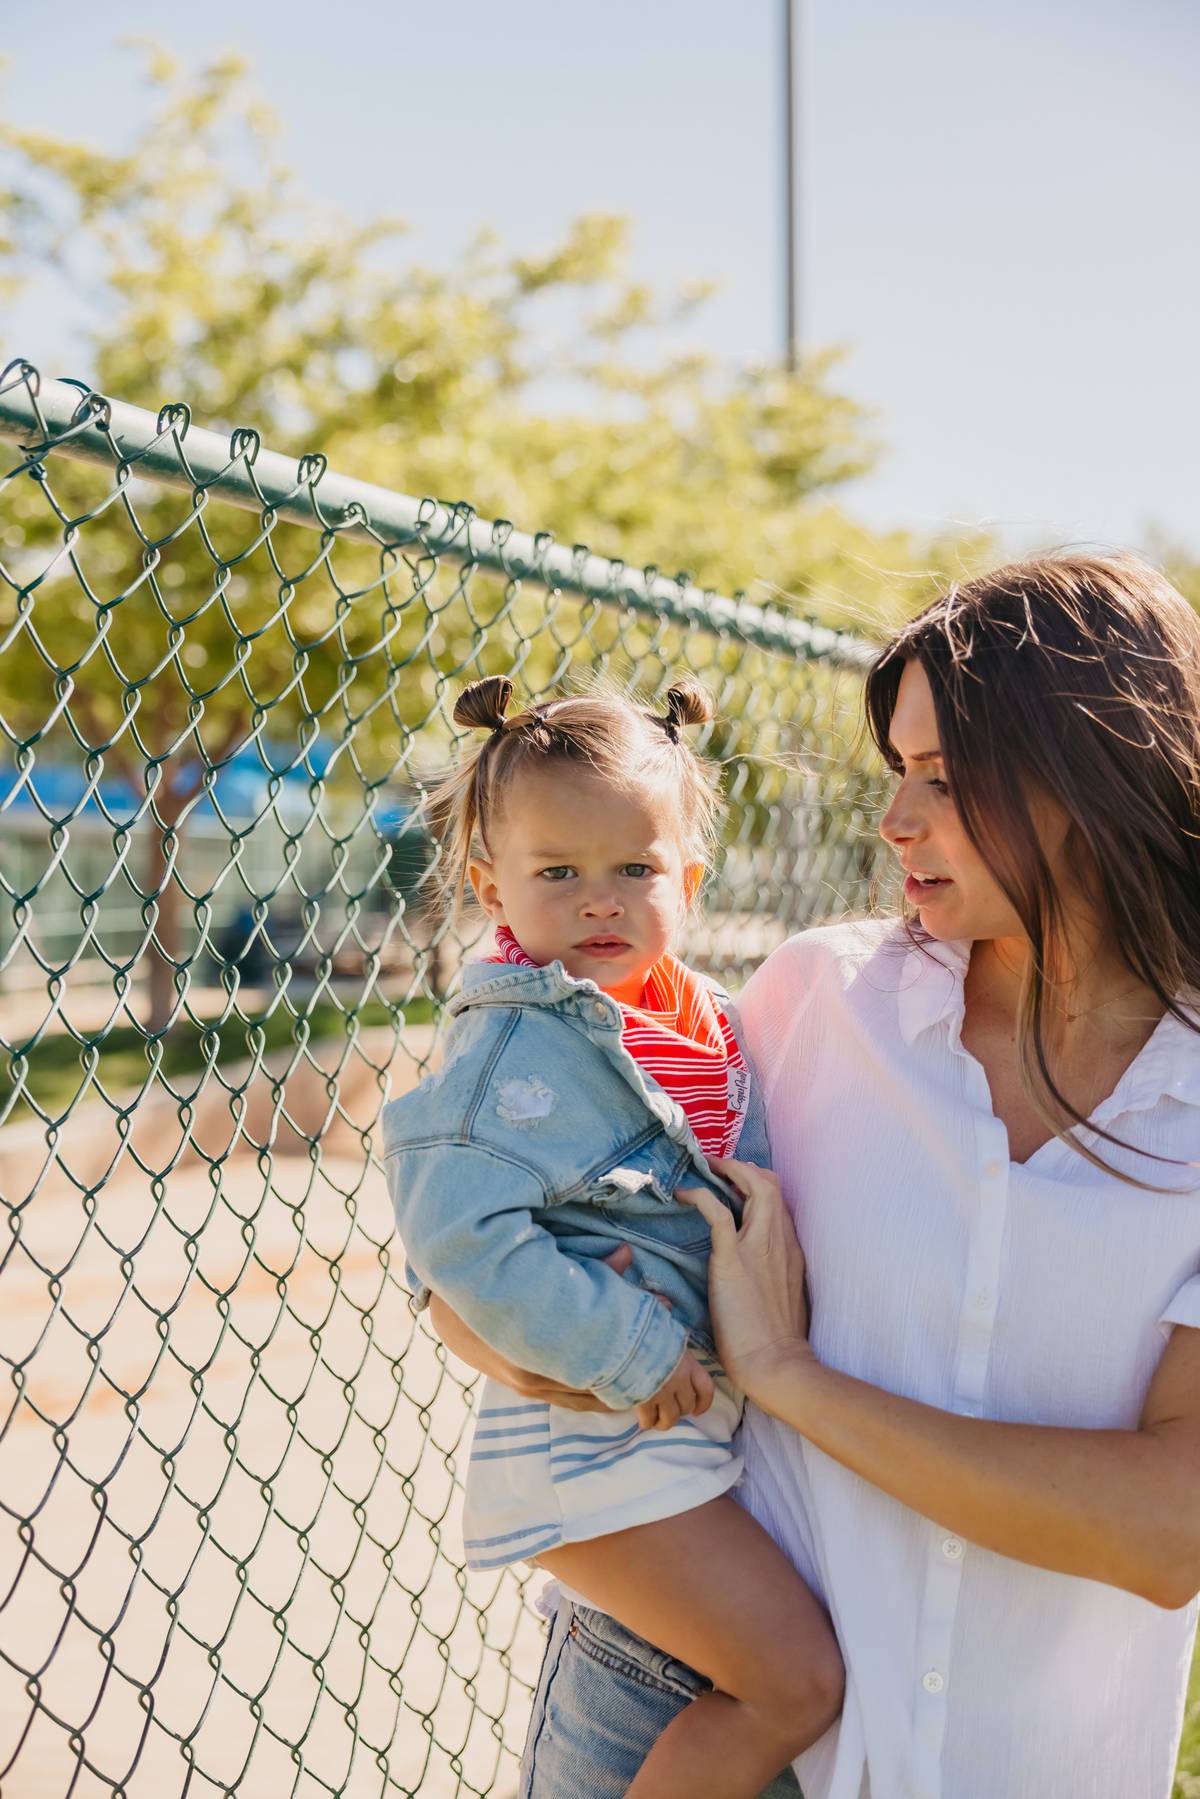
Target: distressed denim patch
point(525, 1102)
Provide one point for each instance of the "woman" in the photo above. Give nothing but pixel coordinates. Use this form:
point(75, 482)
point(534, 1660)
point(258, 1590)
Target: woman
point(985, 1455)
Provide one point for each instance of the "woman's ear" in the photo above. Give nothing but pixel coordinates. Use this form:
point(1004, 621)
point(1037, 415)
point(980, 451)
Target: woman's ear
point(482, 877)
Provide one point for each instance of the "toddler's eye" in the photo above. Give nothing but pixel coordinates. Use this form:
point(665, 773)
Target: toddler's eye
point(637, 869)
point(558, 873)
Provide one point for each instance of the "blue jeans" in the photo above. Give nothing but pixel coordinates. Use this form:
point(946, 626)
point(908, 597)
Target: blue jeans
point(603, 1699)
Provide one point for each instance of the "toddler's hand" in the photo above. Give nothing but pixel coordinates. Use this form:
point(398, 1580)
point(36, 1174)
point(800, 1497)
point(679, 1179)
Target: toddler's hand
point(686, 1393)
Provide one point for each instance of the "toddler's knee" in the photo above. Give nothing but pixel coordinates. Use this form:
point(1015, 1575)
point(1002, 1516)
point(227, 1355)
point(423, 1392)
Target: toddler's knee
point(806, 1698)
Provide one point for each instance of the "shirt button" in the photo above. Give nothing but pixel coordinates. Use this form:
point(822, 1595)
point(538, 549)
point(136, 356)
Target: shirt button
point(993, 1168)
point(933, 1682)
point(600, 1011)
point(982, 1300)
point(952, 1549)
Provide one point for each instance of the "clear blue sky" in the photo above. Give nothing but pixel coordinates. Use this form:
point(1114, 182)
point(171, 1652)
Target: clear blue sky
point(999, 200)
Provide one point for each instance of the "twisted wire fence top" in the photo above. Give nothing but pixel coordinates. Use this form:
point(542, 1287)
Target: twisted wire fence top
point(228, 1509)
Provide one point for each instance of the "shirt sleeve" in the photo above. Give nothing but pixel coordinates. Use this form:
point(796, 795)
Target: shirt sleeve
point(471, 1234)
point(1184, 1308)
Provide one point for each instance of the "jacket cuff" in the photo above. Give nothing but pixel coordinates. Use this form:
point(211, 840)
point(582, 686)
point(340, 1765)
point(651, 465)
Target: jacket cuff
point(418, 1291)
point(658, 1344)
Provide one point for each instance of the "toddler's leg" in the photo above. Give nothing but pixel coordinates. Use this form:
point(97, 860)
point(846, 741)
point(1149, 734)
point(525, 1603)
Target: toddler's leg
point(710, 1588)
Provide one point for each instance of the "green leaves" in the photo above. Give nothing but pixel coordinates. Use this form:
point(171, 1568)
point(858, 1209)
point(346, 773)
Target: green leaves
point(546, 387)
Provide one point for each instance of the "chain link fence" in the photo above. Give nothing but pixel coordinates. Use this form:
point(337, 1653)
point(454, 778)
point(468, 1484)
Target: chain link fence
point(229, 1549)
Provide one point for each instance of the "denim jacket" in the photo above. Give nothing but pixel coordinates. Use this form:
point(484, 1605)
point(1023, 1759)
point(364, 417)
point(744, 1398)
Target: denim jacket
point(538, 1146)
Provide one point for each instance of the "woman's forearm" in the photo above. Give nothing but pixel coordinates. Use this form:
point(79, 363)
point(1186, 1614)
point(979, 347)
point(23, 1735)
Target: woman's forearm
point(463, 1342)
point(1111, 1505)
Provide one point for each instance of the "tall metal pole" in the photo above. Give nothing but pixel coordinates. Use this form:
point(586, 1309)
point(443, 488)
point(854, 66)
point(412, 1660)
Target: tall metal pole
point(791, 36)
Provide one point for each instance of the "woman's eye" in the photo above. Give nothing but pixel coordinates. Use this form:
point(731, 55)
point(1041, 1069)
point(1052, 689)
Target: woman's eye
point(896, 775)
point(637, 869)
point(558, 873)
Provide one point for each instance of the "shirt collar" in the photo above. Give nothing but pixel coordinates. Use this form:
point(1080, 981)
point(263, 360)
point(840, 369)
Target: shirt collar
point(1167, 1068)
point(932, 974)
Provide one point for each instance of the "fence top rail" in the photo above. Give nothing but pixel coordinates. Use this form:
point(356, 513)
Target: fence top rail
point(72, 419)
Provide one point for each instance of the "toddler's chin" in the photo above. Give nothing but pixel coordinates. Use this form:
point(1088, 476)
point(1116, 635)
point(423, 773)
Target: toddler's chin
point(624, 972)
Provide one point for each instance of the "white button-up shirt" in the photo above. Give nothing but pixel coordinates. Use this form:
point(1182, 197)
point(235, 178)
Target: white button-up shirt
point(1041, 1292)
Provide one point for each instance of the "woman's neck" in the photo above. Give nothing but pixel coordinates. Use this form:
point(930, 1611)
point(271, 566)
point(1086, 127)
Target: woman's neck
point(1088, 984)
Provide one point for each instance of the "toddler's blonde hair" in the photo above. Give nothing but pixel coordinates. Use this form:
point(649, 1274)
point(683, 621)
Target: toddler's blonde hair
point(604, 731)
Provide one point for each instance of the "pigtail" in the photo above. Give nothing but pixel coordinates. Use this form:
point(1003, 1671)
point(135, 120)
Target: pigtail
point(481, 705)
point(688, 703)
point(455, 802)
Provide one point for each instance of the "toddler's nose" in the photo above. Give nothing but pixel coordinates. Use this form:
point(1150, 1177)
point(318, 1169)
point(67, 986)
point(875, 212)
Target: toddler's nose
point(601, 905)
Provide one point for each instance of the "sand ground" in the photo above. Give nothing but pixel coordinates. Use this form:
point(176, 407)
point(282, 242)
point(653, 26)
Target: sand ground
point(229, 1536)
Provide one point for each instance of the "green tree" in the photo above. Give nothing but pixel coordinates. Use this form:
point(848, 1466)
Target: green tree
point(1179, 564)
point(214, 282)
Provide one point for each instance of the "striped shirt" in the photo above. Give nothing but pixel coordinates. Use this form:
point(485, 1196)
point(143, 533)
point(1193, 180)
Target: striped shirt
point(679, 1035)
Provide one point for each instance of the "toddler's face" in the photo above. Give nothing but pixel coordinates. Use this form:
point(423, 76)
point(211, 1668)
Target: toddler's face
point(587, 875)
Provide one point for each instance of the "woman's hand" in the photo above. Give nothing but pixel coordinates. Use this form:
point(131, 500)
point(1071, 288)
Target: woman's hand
point(462, 1341)
point(755, 1278)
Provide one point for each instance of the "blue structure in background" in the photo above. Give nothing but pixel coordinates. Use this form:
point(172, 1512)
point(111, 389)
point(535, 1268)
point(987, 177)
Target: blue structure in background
point(241, 789)
point(241, 796)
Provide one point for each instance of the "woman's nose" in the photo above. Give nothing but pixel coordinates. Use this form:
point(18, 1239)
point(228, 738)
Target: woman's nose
point(901, 823)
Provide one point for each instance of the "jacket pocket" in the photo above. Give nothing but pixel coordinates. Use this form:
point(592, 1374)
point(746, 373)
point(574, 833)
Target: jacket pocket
point(670, 1226)
point(618, 1649)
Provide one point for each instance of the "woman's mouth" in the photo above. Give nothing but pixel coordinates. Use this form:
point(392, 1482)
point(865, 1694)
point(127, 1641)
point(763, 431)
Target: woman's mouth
point(920, 889)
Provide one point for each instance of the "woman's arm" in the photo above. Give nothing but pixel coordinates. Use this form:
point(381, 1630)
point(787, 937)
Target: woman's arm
point(1112, 1505)
point(462, 1341)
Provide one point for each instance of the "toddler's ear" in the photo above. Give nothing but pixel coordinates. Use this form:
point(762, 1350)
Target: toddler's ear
point(483, 882)
point(693, 874)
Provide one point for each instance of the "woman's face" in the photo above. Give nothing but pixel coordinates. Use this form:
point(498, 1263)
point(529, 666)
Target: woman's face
point(948, 880)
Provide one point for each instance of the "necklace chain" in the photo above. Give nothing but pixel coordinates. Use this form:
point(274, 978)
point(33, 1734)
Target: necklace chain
point(1102, 1005)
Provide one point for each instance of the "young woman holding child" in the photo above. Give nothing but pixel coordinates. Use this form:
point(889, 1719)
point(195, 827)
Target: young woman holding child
point(982, 1450)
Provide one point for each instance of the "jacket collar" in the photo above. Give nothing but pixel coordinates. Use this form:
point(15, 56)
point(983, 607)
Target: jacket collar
point(501, 984)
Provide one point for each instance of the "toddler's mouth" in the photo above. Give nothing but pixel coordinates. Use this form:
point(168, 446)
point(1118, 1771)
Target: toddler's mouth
point(603, 946)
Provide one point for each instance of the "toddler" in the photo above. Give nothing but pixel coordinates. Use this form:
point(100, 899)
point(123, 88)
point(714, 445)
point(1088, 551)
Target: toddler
point(588, 1073)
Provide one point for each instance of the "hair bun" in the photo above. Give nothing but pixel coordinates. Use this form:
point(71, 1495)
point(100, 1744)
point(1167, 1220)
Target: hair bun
point(688, 704)
point(481, 706)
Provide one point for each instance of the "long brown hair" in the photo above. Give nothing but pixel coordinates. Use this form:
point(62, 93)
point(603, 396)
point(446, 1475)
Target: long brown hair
point(601, 730)
point(1077, 677)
